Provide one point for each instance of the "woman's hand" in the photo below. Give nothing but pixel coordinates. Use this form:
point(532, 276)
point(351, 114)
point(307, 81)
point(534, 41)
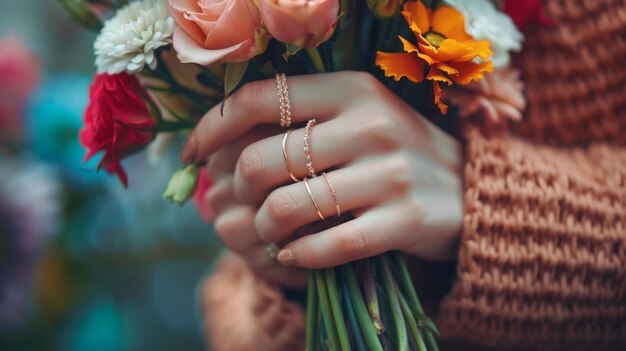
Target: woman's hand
point(398, 174)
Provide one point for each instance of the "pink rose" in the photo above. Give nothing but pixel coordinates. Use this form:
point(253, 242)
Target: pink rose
point(213, 30)
point(304, 23)
point(199, 197)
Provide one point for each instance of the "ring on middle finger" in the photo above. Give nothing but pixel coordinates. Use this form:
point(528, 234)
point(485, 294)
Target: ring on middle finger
point(307, 147)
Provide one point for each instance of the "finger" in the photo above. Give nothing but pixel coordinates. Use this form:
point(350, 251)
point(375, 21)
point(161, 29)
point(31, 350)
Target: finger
point(221, 195)
point(235, 228)
point(224, 160)
point(362, 237)
point(262, 166)
point(271, 269)
point(357, 186)
point(320, 95)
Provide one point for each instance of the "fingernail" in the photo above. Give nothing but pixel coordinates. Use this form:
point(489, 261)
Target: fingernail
point(286, 257)
point(190, 150)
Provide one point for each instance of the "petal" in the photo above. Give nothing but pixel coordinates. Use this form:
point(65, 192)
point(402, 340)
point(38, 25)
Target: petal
point(442, 106)
point(417, 16)
point(177, 8)
point(436, 75)
point(190, 51)
point(450, 23)
point(398, 65)
point(470, 71)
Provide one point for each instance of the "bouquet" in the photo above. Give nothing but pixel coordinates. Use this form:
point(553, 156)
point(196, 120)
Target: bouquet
point(163, 63)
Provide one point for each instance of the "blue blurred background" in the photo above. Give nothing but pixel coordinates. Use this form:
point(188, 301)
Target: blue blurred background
point(84, 263)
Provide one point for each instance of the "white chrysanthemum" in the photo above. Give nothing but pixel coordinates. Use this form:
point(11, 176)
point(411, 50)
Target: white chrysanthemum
point(128, 40)
point(484, 22)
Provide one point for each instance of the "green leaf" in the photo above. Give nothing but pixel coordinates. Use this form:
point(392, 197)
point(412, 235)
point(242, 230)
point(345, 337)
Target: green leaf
point(234, 75)
point(82, 13)
point(291, 50)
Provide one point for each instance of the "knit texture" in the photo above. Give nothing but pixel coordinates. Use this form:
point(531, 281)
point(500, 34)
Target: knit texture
point(542, 263)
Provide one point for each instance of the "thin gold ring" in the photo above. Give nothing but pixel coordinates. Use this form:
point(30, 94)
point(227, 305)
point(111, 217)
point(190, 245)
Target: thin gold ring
point(333, 192)
point(283, 96)
point(307, 147)
point(308, 190)
point(293, 177)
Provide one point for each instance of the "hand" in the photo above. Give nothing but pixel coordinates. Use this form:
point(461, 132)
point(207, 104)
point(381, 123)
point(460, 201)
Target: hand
point(234, 221)
point(397, 173)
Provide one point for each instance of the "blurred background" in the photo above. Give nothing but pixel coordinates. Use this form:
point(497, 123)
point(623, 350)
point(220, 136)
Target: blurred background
point(84, 263)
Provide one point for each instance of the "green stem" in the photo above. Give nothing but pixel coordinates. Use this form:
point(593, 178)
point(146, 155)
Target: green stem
point(372, 298)
point(165, 126)
point(312, 313)
point(316, 59)
point(340, 323)
point(371, 338)
point(327, 317)
point(408, 315)
point(396, 310)
point(413, 301)
point(356, 331)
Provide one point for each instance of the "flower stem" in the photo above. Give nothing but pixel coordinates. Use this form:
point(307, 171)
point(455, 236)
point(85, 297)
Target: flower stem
point(371, 338)
point(165, 126)
point(312, 313)
point(333, 295)
point(327, 316)
point(396, 310)
point(358, 336)
point(316, 59)
point(408, 315)
point(413, 301)
point(372, 298)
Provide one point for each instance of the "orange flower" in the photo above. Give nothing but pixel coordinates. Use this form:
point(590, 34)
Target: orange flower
point(443, 45)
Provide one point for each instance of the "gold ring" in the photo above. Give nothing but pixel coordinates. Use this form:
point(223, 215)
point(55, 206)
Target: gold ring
point(285, 104)
point(307, 147)
point(271, 251)
point(333, 192)
point(293, 177)
point(308, 190)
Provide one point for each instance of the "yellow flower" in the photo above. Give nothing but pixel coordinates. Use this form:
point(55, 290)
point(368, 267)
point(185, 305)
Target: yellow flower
point(452, 55)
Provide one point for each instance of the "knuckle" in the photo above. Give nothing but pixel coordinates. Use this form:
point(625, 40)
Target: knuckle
point(400, 176)
point(249, 98)
point(250, 165)
point(223, 228)
point(384, 133)
point(365, 81)
point(214, 197)
point(281, 207)
point(353, 243)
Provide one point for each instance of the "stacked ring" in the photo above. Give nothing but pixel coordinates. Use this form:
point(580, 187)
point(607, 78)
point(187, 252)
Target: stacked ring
point(285, 104)
point(307, 147)
point(284, 144)
point(333, 192)
point(308, 190)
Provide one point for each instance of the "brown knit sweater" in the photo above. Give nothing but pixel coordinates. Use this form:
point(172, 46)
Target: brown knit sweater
point(542, 259)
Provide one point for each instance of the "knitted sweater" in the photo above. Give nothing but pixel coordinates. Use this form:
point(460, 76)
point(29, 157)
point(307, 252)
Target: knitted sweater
point(542, 258)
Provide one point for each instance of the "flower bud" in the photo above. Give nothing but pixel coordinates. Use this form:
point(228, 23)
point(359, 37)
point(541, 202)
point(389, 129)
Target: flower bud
point(301, 23)
point(384, 8)
point(182, 185)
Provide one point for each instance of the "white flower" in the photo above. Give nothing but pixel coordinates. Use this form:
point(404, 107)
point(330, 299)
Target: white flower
point(484, 22)
point(128, 40)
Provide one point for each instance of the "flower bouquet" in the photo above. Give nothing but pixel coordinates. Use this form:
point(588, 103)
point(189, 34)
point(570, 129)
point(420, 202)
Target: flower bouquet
point(163, 63)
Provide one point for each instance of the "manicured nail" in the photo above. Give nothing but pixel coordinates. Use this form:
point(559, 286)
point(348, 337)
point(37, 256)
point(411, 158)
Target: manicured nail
point(286, 257)
point(190, 150)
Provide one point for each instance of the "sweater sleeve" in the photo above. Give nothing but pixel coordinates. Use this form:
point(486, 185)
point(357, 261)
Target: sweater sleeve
point(542, 263)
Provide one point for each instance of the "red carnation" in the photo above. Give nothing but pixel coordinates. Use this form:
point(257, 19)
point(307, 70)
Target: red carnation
point(117, 121)
point(526, 13)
